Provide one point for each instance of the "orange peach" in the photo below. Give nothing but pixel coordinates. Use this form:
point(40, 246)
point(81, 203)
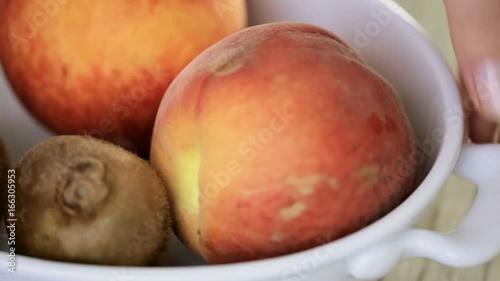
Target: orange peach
point(277, 139)
point(101, 67)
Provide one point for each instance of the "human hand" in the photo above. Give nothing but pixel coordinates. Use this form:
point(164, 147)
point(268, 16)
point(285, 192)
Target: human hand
point(475, 31)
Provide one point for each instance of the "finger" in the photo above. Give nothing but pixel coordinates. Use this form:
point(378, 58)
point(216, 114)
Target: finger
point(478, 128)
point(482, 131)
point(475, 31)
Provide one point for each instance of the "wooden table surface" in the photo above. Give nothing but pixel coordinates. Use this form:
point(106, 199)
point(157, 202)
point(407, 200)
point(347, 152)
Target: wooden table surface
point(453, 203)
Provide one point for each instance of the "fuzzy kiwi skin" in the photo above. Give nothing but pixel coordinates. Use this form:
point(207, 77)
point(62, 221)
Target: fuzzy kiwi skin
point(4, 166)
point(84, 200)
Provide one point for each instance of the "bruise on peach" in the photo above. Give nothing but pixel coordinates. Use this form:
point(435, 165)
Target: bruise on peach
point(370, 174)
point(306, 185)
point(293, 211)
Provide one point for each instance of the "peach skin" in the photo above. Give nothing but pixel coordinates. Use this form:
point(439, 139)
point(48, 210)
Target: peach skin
point(277, 139)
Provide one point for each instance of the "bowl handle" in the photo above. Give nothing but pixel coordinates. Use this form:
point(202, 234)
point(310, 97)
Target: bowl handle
point(475, 241)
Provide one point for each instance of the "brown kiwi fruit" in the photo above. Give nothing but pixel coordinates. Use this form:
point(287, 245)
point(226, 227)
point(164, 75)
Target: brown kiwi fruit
point(4, 166)
point(84, 200)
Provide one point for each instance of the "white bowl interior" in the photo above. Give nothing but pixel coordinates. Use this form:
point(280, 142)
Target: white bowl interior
point(385, 37)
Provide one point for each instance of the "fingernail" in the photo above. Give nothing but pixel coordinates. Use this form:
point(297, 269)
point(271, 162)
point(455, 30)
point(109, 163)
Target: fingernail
point(496, 135)
point(486, 90)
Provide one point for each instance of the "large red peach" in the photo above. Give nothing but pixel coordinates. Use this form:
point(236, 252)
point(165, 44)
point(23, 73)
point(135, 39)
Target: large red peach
point(277, 139)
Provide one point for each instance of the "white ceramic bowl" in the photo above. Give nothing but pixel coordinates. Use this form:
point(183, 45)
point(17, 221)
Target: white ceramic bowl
point(395, 46)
